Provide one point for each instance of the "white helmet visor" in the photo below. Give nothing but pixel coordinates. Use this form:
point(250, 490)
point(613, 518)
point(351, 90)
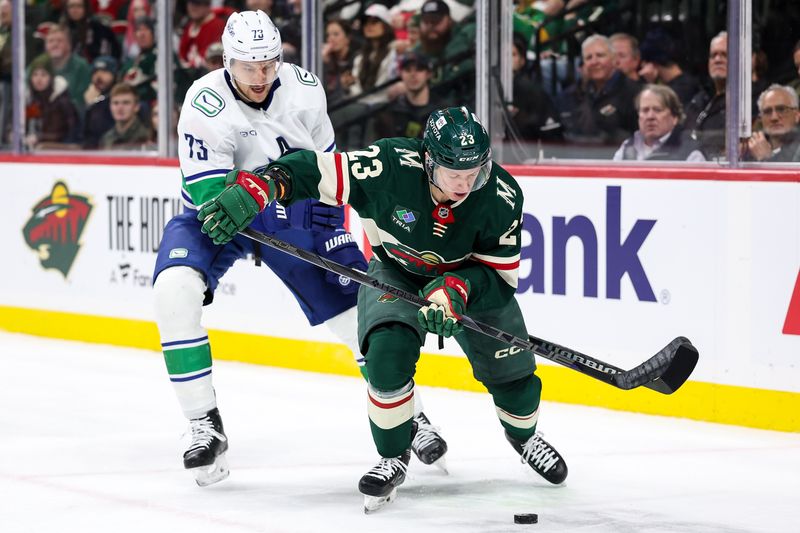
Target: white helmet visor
point(255, 73)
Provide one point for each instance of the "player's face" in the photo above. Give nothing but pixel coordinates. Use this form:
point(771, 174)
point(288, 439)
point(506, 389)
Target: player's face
point(254, 78)
point(456, 184)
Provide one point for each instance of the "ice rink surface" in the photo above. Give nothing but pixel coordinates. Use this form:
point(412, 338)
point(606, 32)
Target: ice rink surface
point(91, 443)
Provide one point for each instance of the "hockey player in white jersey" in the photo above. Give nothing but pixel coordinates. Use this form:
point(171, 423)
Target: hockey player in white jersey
point(247, 115)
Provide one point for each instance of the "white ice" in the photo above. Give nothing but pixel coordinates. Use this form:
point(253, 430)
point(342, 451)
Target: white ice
point(90, 442)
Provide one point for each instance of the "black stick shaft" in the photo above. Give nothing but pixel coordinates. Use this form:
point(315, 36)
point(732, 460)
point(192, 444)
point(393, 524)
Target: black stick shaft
point(640, 376)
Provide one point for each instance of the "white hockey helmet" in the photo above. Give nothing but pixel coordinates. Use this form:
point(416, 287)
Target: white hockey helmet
point(251, 37)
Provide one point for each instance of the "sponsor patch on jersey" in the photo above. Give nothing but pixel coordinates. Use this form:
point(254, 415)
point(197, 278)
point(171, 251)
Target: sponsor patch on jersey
point(208, 102)
point(305, 77)
point(178, 253)
point(404, 218)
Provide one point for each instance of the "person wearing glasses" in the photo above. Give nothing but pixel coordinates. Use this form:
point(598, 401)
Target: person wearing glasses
point(779, 140)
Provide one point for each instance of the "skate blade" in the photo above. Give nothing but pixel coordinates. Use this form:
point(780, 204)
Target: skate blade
point(441, 464)
point(375, 503)
point(213, 473)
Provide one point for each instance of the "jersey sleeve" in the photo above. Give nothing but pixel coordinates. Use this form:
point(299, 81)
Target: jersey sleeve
point(336, 178)
point(493, 269)
point(205, 148)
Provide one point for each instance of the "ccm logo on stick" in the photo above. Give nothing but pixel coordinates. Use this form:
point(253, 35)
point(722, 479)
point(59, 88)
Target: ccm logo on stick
point(505, 352)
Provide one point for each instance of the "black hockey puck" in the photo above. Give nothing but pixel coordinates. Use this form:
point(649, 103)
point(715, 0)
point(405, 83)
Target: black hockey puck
point(528, 518)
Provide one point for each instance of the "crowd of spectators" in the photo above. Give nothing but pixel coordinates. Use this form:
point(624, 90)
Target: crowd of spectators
point(92, 80)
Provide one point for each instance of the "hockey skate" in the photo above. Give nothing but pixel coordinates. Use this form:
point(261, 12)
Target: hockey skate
point(379, 485)
point(542, 457)
point(205, 457)
point(428, 445)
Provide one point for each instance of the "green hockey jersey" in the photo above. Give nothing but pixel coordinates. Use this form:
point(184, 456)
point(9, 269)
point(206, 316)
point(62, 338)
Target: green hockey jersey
point(386, 183)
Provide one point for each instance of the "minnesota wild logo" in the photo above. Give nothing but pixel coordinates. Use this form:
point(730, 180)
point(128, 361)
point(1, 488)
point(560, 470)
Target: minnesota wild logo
point(387, 298)
point(55, 227)
point(425, 263)
point(404, 218)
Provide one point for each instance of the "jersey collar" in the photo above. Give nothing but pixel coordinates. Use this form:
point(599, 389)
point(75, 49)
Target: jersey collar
point(263, 105)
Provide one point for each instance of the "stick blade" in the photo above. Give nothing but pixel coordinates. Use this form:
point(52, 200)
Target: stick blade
point(665, 372)
point(679, 369)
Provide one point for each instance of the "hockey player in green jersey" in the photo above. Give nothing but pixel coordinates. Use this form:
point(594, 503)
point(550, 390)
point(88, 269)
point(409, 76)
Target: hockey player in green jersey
point(444, 220)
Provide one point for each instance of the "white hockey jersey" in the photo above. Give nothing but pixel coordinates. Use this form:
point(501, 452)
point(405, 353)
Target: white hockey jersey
point(218, 131)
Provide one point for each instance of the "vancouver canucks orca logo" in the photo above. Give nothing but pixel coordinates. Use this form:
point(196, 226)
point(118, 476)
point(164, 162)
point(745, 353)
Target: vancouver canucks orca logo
point(55, 228)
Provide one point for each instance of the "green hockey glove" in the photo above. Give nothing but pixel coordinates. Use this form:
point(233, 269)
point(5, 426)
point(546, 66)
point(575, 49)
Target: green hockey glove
point(245, 196)
point(448, 295)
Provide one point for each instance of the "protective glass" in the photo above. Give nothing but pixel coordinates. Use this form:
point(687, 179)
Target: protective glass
point(255, 73)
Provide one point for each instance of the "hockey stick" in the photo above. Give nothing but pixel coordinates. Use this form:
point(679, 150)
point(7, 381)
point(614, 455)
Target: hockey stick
point(664, 372)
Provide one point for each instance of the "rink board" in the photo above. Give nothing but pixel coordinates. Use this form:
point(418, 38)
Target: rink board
point(615, 263)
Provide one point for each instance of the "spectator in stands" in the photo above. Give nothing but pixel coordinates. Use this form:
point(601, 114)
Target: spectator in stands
point(599, 110)
point(648, 72)
point(138, 9)
point(140, 71)
point(529, 17)
point(97, 119)
point(203, 29)
point(90, 37)
point(706, 112)
point(780, 140)
point(213, 59)
point(337, 59)
point(129, 132)
point(533, 113)
point(413, 32)
point(660, 136)
point(375, 63)
point(626, 54)
point(5, 70)
point(406, 116)
point(758, 77)
point(5, 40)
point(112, 9)
point(73, 68)
point(660, 56)
point(52, 120)
point(795, 84)
point(449, 46)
